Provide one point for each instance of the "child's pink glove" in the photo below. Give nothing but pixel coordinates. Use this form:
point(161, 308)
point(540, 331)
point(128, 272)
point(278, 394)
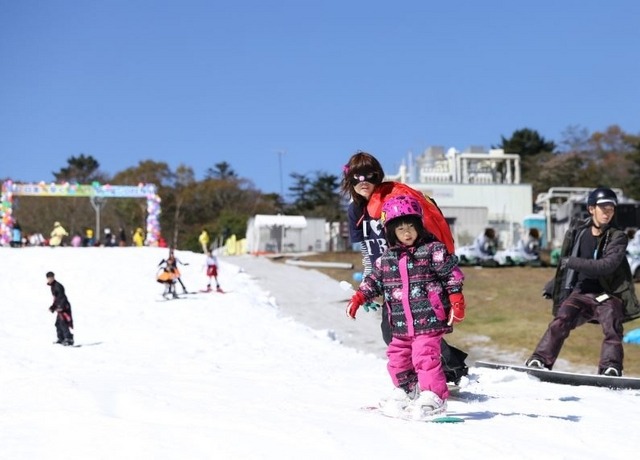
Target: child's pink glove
point(457, 308)
point(356, 301)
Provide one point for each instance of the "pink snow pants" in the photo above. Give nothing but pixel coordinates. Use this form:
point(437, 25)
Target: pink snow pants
point(419, 355)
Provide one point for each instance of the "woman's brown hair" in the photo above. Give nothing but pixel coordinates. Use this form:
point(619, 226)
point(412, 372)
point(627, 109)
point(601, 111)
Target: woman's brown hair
point(360, 163)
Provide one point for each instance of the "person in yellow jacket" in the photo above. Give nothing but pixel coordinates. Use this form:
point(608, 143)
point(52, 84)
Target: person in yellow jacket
point(203, 239)
point(57, 234)
point(138, 237)
point(88, 240)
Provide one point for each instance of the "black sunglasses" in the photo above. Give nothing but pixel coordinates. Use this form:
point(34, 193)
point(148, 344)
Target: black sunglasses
point(372, 177)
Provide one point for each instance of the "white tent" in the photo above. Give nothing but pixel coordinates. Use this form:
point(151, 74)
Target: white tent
point(267, 233)
point(279, 220)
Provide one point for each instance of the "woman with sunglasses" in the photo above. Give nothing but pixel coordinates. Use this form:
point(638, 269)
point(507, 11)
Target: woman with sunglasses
point(361, 175)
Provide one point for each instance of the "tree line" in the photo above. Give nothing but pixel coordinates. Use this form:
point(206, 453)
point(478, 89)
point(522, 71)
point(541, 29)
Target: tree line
point(223, 202)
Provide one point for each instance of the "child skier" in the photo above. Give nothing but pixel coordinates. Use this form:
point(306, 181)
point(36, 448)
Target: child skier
point(212, 270)
point(422, 288)
point(170, 274)
point(167, 277)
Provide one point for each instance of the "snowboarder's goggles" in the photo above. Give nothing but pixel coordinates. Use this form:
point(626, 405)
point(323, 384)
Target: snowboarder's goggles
point(371, 176)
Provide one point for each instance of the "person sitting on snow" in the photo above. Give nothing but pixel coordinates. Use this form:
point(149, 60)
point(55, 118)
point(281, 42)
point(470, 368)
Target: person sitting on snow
point(487, 242)
point(532, 245)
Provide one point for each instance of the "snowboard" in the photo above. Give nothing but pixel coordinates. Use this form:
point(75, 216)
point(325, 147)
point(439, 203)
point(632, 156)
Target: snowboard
point(569, 378)
point(440, 418)
point(78, 345)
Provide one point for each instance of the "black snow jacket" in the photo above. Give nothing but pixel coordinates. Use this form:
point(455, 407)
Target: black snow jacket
point(60, 301)
point(610, 267)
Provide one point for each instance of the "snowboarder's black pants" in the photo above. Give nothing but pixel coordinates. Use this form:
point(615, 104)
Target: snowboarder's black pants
point(62, 328)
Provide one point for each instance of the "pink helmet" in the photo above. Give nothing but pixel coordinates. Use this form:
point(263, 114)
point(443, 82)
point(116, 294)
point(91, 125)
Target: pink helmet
point(399, 206)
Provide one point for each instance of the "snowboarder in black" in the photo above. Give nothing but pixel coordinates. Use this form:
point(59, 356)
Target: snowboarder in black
point(593, 283)
point(61, 306)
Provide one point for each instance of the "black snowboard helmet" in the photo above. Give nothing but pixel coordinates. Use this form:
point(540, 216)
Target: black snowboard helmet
point(602, 195)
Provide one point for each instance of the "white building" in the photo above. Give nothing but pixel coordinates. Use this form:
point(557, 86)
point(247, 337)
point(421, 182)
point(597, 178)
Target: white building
point(280, 233)
point(475, 189)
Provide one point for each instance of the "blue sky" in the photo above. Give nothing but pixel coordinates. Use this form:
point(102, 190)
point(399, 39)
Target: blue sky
point(199, 82)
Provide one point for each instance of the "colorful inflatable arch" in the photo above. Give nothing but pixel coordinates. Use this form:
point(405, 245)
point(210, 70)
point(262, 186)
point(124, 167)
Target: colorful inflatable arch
point(148, 191)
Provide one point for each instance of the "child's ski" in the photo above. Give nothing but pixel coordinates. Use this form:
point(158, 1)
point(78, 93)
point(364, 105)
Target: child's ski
point(218, 290)
point(441, 418)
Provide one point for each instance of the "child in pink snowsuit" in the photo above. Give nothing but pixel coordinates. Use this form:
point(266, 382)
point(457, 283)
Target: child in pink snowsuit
point(422, 288)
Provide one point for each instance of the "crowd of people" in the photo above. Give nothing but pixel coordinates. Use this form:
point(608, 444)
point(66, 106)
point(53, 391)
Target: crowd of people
point(60, 237)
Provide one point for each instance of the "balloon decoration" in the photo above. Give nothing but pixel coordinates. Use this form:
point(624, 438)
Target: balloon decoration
point(6, 213)
point(153, 214)
point(148, 191)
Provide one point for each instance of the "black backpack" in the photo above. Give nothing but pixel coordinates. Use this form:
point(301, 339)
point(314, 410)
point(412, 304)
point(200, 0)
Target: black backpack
point(453, 362)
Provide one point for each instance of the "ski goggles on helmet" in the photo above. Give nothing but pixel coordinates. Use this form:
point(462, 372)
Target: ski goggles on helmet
point(368, 176)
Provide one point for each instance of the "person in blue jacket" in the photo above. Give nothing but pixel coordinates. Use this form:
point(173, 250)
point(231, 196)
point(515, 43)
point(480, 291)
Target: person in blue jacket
point(16, 235)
